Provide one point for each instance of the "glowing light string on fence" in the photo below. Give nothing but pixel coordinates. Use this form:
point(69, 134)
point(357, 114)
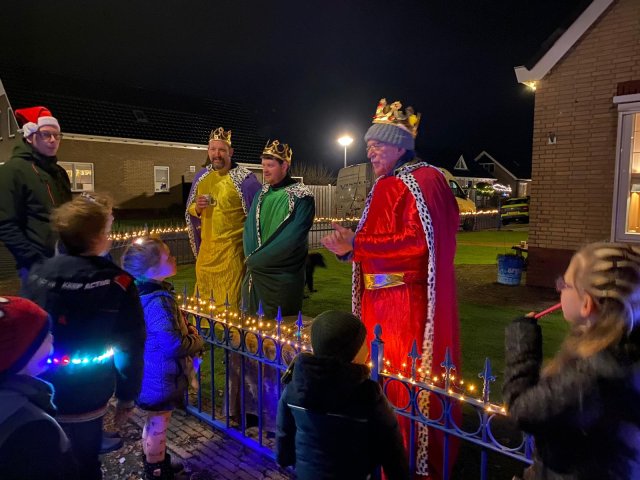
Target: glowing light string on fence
point(446, 382)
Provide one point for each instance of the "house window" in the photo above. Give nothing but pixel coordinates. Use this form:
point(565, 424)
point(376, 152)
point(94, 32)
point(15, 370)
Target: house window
point(80, 175)
point(161, 179)
point(626, 213)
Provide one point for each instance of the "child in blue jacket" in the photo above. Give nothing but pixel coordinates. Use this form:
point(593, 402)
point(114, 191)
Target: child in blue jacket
point(171, 343)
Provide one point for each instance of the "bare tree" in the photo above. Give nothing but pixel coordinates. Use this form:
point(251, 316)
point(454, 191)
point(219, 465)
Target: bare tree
point(313, 174)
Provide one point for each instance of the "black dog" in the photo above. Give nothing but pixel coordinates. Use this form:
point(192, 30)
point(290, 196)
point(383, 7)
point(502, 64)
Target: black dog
point(313, 260)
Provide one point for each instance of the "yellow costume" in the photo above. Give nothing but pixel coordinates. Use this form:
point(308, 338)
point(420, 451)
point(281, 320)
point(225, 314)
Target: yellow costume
point(220, 260)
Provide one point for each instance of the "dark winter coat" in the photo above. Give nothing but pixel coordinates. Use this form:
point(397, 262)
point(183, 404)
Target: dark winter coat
point(585, 419)
point(168, 348)
point(32, 444)
point(31, 186)
point(334, 423)
point(94, 307)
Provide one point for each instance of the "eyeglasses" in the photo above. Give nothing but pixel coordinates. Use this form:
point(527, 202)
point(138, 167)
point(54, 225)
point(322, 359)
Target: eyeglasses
point(562, 285)
point(50, 135)
point(375, 146)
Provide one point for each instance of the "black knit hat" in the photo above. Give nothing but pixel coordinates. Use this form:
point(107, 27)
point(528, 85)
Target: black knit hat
point(338, 335)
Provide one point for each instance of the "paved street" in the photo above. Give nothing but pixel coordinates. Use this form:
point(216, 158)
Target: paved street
point(206, 453)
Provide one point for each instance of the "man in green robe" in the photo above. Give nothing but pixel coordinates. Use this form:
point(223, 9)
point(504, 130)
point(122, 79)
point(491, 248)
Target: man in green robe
point(276, 237)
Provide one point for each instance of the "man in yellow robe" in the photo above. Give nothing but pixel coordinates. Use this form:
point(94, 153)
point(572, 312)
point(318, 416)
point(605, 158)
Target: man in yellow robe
point(220, 198)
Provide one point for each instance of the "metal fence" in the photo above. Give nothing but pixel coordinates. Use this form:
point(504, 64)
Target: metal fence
point(324, 196)
point(240, 386)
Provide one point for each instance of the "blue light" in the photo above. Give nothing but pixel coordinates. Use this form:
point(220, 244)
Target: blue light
point(65, 360)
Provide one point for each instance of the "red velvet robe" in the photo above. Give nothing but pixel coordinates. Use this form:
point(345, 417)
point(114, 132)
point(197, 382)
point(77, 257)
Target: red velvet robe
point(394, 236)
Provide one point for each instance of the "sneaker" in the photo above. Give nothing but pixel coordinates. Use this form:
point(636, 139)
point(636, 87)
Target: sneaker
point(111, 442)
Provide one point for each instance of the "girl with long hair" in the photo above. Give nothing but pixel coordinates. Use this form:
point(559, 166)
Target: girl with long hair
point(583, 408)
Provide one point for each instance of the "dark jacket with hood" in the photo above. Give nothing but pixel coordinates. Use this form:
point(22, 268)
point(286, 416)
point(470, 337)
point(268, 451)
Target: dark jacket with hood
point(585, 419)
point(94, 306)
point(31, 186)
point(334, 423)
point(32, 444)
point(168, 348)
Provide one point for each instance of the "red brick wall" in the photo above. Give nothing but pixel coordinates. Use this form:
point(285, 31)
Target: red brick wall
point(572, 188)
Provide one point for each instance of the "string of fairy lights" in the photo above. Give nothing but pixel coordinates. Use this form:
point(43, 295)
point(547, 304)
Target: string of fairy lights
point(140, 231)
point(274, 330)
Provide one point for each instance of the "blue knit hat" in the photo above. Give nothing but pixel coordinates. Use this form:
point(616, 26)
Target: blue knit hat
point(387, 133)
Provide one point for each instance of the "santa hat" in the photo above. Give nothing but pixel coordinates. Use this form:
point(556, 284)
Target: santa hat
point(33, 118)
point(23, 328)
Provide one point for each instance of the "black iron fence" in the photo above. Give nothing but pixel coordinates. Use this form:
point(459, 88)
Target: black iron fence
point(239, 386)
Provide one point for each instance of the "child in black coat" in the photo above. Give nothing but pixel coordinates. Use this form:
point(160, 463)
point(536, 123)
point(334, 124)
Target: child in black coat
point(333, 421)
point(32, 444)
point(583, 408)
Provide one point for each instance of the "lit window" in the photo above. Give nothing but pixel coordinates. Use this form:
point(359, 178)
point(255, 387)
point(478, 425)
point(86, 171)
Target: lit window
point(161, 179)
point(626, 210)
point(80, 176)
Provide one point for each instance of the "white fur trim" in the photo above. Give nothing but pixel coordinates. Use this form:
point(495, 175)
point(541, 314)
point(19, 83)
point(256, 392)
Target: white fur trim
point(30, 128)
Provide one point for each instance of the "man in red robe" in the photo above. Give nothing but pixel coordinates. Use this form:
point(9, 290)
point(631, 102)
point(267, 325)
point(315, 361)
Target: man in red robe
point(403, 274)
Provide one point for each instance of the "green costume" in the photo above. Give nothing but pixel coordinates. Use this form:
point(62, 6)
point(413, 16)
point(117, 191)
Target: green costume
point(276, 246)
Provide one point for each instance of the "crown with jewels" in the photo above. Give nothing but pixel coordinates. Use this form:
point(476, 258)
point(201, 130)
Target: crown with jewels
point(278, 150)
point(393, 115)
point(220, 134)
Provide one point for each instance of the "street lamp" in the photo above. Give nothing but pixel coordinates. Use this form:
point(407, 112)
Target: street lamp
point(345, 141)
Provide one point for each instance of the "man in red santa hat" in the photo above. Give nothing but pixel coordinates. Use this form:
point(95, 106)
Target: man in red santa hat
point(403, 274)
point(32, 184)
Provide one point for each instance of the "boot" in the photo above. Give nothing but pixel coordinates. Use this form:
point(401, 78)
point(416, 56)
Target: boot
point(158, 471)
point(175, 466)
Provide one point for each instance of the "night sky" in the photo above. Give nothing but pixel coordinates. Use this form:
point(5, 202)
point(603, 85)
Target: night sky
point(310, 70)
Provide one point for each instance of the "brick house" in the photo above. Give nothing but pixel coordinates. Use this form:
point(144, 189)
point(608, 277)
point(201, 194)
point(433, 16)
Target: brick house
point(586, 142)
point(141, 147)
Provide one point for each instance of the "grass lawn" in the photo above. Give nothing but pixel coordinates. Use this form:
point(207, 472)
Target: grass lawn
point(482, 323)
point(481, 248)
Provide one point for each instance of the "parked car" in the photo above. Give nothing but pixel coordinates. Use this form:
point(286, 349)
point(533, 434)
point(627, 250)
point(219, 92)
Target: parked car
point(467, 207)
point(515, 210)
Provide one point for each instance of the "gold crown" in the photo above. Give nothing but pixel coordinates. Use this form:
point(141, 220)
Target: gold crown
point(220, 134)
point(393, 115)
point(281, 151)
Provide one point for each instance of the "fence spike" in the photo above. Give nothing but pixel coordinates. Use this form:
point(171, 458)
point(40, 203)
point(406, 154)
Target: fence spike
point(414, 356)
point(227, 305)
point(212, 303)
point(197, 299)
point(377, 331)
point(260, 311)
point(184, 296)
point(377, 353)
point(299, 324)
point(278, 322)
point(448, 366)
point(487, 378)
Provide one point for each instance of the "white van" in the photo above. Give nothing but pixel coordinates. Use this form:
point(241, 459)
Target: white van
point(355, 182)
